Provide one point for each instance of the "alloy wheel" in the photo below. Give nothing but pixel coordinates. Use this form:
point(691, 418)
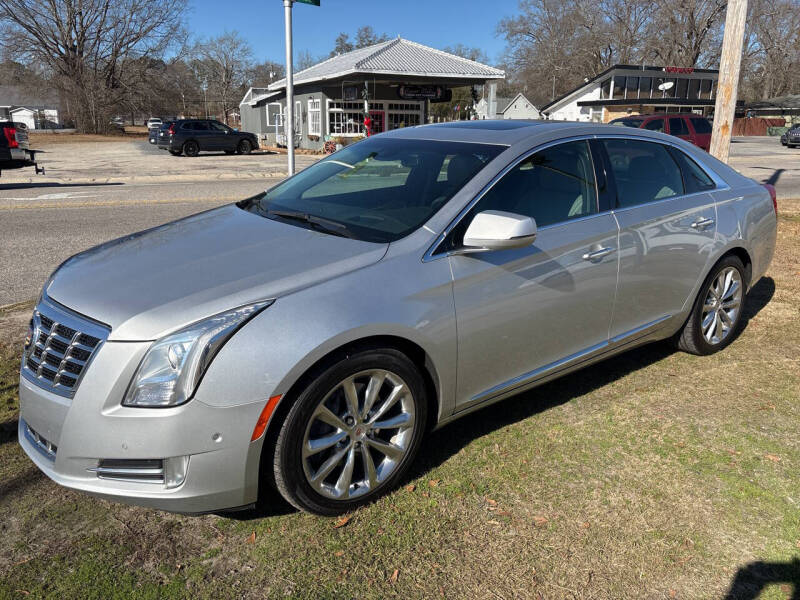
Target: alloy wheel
point(722, 305)
point(358, 434)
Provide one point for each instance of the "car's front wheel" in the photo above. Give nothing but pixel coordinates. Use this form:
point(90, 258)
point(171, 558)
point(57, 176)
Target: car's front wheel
point(716, 316)
point(352, 432)
point(191, 148)
point(244, 147)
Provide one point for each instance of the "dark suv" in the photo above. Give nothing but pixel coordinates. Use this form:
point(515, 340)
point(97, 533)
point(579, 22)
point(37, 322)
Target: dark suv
point(192, 136)
point(689, 127)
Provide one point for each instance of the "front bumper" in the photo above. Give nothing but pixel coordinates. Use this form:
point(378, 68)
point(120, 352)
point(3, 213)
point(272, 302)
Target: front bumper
point(76, 434)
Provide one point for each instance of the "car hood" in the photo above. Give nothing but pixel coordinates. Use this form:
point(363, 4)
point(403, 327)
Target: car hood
point(156, 281)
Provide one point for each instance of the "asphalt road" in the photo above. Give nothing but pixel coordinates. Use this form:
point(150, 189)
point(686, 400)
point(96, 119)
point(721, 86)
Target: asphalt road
point(43, 224)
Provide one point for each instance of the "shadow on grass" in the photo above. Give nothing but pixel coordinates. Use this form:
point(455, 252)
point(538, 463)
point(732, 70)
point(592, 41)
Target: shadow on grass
point(446, 442)
point(750, 580)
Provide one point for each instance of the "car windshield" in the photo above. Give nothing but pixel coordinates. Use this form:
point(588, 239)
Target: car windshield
point(628, 122)
point(377, 190)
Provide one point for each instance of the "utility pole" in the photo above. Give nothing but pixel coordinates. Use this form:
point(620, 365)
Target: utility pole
point(728, 84)
point(289, 124)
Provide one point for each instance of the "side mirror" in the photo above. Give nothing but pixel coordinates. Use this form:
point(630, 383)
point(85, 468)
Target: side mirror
point(496, 230)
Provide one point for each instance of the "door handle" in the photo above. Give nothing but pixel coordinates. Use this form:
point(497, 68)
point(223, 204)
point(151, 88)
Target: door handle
point(702, 224)
point(596, 255)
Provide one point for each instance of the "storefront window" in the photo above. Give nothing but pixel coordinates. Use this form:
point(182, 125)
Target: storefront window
point(345, 118)
point(694, 89)
point(705, 89)
point(682, 86)
point(314, 118)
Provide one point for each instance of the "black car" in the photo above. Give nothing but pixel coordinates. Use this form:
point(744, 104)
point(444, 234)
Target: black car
point(14, 151)
point(792, 136)
point(192, 136)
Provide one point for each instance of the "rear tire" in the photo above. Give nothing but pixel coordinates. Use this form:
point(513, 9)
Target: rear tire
point(244, 147)
point(191, 148)
point(716, 316)
point(352, 433)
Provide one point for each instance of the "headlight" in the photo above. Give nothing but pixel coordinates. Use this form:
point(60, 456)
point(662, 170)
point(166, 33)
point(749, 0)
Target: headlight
point(173, 366)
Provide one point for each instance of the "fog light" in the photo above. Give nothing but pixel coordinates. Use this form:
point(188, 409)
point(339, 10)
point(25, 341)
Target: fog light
point(175, 471)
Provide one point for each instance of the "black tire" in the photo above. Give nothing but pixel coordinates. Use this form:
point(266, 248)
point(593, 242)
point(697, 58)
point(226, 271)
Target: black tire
point(175, 152)
point(288, 462)
point(244, 147)
point(191, 148)
point(691, 338)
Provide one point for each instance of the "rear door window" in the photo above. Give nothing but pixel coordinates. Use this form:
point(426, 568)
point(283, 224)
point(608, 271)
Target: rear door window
point(677, 126)
point(701, 126)
point(644, 171)
point(655, 125)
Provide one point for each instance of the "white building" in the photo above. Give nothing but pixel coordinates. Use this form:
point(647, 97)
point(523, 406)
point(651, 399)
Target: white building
point(627, 89)
point(35, 117)
point(518, 107)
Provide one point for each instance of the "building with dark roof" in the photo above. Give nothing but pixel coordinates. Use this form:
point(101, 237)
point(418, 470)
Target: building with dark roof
point(628, 89)
point(392, 82)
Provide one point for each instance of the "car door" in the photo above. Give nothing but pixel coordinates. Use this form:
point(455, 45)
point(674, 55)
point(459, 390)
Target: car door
point(667, 229)
point(220, 137)
point(202, 133)
point(522, 314)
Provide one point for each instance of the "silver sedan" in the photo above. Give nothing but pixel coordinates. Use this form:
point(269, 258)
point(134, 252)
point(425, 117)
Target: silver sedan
point(307, 338)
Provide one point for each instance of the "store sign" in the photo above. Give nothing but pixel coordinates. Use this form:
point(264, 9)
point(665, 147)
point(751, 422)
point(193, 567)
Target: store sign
point(313, 2)
point(679, 69)
point(421, 92)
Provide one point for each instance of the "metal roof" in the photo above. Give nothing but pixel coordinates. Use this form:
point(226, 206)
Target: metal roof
point(398, 57)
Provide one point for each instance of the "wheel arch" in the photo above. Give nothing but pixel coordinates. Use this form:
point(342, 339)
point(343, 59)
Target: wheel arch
point(409, 348)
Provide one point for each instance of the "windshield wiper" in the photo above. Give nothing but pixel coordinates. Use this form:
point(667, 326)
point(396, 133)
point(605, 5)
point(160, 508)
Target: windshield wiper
point(326, 225)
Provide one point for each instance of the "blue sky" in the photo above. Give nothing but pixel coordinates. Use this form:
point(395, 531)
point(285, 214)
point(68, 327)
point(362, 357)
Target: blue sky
point(434, 23)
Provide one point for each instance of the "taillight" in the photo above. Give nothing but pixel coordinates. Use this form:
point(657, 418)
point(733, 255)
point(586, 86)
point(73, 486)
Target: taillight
point(171, 130)
point(774, 195)
point(11, 136)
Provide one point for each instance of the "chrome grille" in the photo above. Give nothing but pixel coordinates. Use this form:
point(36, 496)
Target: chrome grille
point(60, 346)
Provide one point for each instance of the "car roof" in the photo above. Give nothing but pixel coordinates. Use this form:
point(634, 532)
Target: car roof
point(512, 132)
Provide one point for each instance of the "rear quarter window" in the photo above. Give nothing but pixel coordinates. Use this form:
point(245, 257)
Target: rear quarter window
point(694, 177)
point(701, 126)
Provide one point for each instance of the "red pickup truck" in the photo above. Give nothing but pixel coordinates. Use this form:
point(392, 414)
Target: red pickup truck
point(689, 127)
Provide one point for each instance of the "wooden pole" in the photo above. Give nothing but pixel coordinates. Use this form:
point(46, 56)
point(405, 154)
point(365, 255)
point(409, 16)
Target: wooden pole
point(728, 84)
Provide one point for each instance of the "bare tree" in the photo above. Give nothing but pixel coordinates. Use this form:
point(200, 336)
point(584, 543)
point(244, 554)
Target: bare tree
point(96, 51)
point(364, 36)
point(224, 64)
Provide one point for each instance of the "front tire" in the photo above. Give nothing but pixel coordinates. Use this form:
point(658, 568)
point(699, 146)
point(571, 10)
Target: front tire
point(716, 316)
point(244, 147)
point(352, 433)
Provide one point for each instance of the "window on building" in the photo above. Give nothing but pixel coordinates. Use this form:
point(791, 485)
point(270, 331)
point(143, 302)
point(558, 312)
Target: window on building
point(670, 93)
point(605, 89)
point(403, 114)
point(643, 171)
point(345, 118)
point(619, 88)
point(677, 126)
point(645, 83)
point(631, 87)
point(694, 89)
point(552, 186)
point(682, 86)
point(314, 117)
point(705, 89)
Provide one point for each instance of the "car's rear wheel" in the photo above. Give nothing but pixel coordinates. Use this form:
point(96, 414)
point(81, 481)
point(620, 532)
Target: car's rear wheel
point(716, 316)
point(244, 147)
point(352, 433)
point(191, 148)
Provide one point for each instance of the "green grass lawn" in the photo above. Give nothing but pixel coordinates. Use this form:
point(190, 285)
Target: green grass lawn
point(652, 475)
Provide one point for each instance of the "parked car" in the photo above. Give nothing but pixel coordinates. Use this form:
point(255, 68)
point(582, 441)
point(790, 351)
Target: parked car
point(15, 152)
point(153, 122)
point(689, 127)
point(192, 136)
point(155, 132)
point(791, 137)
point(310, 336)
